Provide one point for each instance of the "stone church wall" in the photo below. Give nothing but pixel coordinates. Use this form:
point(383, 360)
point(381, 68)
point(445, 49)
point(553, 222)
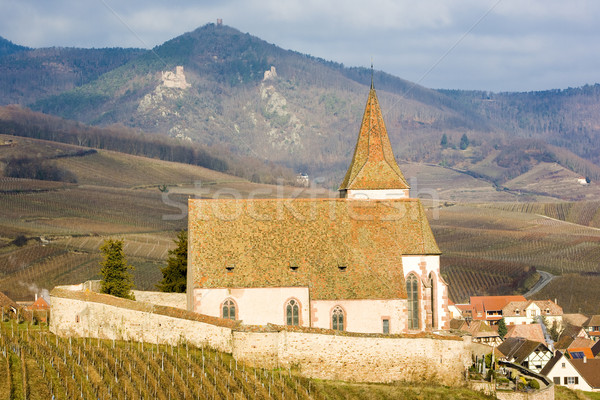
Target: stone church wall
point(356, 357)
point(318, 353)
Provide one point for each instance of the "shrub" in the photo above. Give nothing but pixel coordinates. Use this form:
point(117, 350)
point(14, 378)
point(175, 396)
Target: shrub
point(534, 384)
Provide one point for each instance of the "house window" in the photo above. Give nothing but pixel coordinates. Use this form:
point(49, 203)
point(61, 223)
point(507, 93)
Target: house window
point(337, 319)
point(292, 313)
point(571, 380)
point(386, 325)
point(228, 309)
point(412, 292)
point(517, 312)
point(556, 380)
point(564, 365)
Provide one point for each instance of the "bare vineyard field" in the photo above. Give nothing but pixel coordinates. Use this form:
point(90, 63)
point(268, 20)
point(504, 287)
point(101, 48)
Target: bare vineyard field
point(35, 364)
point(585, 213)
point(478, 277)
point(527, 239)
point(575, 293)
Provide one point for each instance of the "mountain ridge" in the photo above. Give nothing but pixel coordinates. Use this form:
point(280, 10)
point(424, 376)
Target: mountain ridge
point(306, 116)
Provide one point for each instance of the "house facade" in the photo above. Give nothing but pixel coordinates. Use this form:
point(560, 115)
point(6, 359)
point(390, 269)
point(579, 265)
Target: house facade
point(528, 353)
point(528, 312)
point(364, 262)
point(592, 327)
point(580, 374)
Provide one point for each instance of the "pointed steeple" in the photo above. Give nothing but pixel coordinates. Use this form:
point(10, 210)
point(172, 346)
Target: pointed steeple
point(373, 165)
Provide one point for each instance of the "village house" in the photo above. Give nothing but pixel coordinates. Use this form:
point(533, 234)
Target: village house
point(580, 374)
point(528, 353)
point(365, 262)
point(527, 312)
point(479, 331)
point(486, 308)
point(592, 327)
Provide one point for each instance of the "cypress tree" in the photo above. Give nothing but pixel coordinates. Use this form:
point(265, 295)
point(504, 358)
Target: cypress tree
point(444, 141)
point(116, 278)
point(464, 141)
point(175, 273)
point(502, 329)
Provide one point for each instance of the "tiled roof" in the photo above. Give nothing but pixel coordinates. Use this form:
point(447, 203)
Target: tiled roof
point(571, 331)
point(6, 302)
point(519, 348)
point(582, 343)
point(261, 240)
point(564, 342)
point(373, 165)
point(527, 331)
point(589, 370)
point(575, 319)
point(494, 302)
point(510, 309)
point(593, 321)
point(478, 329)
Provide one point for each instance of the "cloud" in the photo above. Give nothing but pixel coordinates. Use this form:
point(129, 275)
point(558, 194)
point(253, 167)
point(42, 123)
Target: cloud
point(468, 44)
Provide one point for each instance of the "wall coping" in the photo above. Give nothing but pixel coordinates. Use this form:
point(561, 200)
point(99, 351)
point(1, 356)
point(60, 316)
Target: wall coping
point(142, 306)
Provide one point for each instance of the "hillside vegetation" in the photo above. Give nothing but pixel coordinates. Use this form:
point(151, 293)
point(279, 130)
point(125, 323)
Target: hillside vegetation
point(307, 116)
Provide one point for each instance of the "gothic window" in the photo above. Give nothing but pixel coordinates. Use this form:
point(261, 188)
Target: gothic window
point(292, 313)
point(412, 292)
point(337, 319)
point(228, 309)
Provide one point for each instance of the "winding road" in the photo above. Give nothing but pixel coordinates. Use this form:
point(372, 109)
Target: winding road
point(545, 278)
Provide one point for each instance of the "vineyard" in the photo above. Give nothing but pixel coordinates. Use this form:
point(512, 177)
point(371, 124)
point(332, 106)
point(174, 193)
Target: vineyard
point(477, 277)
point(520, 238)
point(585, 213)
point(35, 364)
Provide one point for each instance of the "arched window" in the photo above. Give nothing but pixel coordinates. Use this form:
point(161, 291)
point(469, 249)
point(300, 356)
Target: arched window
point(228, 309)
point(337, 319)
point(412, 292)
point(292, 313)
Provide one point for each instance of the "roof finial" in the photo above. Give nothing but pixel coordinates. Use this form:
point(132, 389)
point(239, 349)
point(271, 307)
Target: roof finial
point(372, 87)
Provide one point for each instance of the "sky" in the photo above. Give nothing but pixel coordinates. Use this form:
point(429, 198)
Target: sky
point(492, 45)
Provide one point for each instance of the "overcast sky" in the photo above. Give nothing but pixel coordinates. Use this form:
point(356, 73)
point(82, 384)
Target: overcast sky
point(496, 45)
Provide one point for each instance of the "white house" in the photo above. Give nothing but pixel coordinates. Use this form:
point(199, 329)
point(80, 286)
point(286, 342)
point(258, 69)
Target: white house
point(527, 312)
point(581, 374)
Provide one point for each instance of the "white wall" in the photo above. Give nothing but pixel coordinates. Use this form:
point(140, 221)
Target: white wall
point(377, 194)
point(254, 306)
point(422, 267)
point(365, 316)
point(568, 370)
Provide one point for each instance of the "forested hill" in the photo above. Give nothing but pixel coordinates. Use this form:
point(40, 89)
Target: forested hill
point(305, 113)
point(8, 47)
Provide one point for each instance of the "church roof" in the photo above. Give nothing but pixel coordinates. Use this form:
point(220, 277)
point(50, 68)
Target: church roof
point(340, 249)
point(373, 165)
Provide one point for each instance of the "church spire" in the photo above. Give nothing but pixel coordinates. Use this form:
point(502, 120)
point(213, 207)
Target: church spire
point(373, 166)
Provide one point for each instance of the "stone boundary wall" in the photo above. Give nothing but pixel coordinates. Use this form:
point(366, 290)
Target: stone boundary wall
point(317, 353)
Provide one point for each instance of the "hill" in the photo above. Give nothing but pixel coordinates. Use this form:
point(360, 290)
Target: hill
point(8, 47)
point(305, 112)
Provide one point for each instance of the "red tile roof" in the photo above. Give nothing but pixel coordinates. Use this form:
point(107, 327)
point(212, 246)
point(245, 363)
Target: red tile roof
point(262, 239)
point(527, 331)
point(373, 165)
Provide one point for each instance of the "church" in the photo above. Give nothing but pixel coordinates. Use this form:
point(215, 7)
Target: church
point(364, 262)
